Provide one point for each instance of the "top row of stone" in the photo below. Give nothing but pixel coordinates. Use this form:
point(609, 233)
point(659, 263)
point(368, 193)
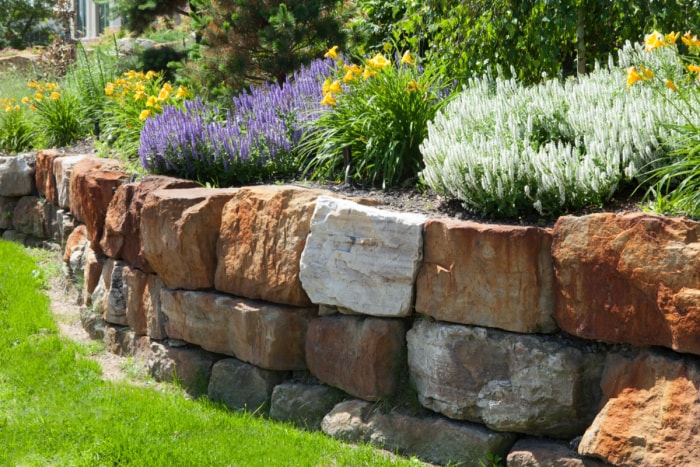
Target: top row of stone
point(632, 278)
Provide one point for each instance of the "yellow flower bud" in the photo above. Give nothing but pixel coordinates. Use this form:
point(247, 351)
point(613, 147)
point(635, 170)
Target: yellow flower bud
point(332, 52)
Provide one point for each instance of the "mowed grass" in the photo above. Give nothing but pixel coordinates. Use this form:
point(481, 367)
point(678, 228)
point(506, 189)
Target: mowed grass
point(55, 409)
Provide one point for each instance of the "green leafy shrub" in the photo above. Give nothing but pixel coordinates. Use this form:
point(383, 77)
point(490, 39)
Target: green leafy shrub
point(675, 177)
point(556, 37)
point(158, 58)
point(375, 123)
point(505, 149)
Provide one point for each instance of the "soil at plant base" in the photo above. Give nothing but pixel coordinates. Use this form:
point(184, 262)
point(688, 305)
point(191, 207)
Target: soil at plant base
point(425, 201)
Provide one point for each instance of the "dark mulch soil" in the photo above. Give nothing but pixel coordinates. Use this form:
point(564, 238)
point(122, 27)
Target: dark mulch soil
point(429, 203)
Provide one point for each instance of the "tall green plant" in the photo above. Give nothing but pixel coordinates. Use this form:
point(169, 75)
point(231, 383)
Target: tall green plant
point(375, 123)
point(673, 74)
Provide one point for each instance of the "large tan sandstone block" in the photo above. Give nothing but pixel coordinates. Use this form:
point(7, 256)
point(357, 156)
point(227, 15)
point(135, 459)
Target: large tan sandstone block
point(264, 334)
point(363, 356)
point(487, 275)
point(651, 412)
point(263, 233)
point(122, 230)
point(92, 186)
point(631, 279)
point(179, 231)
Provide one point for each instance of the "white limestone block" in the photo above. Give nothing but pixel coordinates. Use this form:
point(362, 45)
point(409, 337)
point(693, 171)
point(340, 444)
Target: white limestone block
point(362, 259)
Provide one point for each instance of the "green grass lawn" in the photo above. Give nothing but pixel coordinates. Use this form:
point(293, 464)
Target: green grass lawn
point(55, 409)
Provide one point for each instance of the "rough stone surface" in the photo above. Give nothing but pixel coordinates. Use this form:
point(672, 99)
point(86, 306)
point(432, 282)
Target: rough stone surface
point(487, 275)
point(531, 452)
point(650, 412)
point(631, 278)
point(92, 186)
point(91, 274)
point(14, 236)
point(93, 323)
point(434, 439)
point(7, 206)
point(304, 405)
point(122, 229)
point(32, 216)
point(44, 175)
point(17, 175)
point(361, 258)
point(121, 340)
point(74, 255)
point(137, 302)
point(179, 231)
point(363, 356)
point(243, 386)
point(155, 319)
point(189, 366)
point(263, 233)
point(62, 170)
point(510, 382)
point(265, 334)
point(109, 296)
point(63, 225)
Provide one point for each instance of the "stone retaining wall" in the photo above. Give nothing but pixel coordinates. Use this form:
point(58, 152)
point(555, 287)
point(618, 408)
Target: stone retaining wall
point(447, 340)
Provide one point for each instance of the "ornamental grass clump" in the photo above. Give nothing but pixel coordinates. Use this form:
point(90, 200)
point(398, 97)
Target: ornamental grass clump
point(58, 119)
point(377, 116)
point(16, 131)
point(253, 142)
point(672, 70)
point(507, 150)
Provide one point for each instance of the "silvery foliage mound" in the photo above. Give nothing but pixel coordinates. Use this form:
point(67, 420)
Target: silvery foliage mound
point(507, 150)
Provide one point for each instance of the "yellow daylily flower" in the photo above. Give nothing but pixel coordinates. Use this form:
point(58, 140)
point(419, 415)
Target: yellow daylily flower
point(152, 101)
point(653, 41)
point(51, 86)
point(335, 87)
point(332, 52)
point(182, 93)
point(672, 37)
point(349, 76)
point(694, 68)
point(38, 96)
point(55, 95)
point(378, 61)
point(690, 41)
point(33, 84)
point(138, 95)
point(25, 100)
point(150, 75)
point(328, 99)
point(407, 58)
point(368, 73)
point(412, 86)
point(109, 89)
point(671, 85)
point(32, 107)
point(17, 108)
point(326, 85)
point(145, 114)
point(647, 73)
point(632, 76)
point(356, 69)
point(163, 94)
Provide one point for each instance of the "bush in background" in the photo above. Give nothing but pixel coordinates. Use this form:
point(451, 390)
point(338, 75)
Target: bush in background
point(504, 149)
point(248, 43)
point(529, 37)
point(253, 142)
